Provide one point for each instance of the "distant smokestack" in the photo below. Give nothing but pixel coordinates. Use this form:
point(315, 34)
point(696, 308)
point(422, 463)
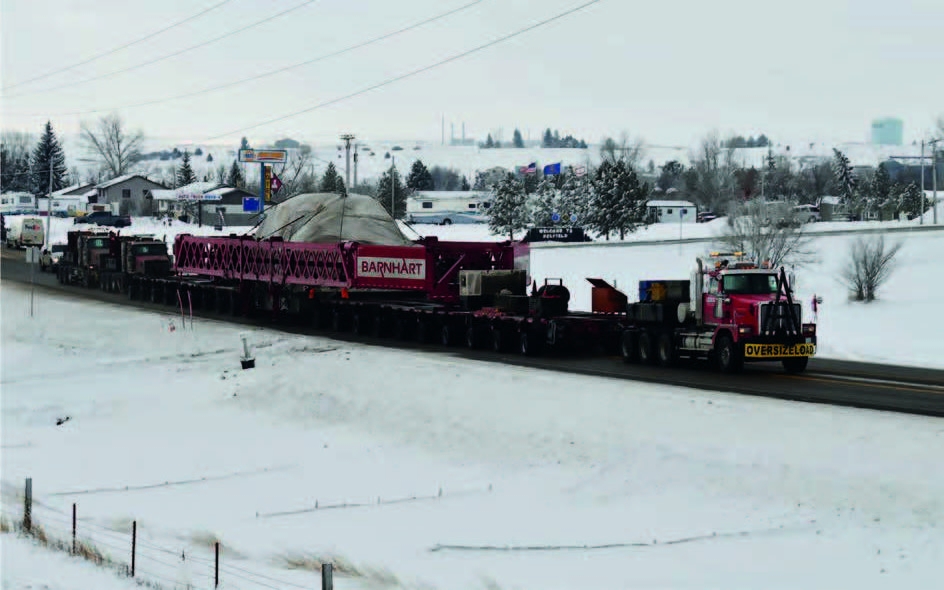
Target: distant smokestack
point(463, 132)
point(452, 133)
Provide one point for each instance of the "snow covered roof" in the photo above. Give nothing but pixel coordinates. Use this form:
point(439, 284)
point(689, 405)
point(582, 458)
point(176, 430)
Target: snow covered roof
point(116, 180)
point(90, 193)
point(163, 194)
point(197, 188)
point(226, 190)
point(74, 190)
point(669, 204)
point(450, 194)
point(830, 200)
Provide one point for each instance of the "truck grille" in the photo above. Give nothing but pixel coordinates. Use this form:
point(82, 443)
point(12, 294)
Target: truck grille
point(780, 322)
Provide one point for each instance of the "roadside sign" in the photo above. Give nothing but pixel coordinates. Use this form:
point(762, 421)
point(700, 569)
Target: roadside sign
point(32, 255)
point(251, 204)
point(181, 196)
point(573, 218)
point(262, 156)
point(276, 183)
point(267, 182)
point(555, 217)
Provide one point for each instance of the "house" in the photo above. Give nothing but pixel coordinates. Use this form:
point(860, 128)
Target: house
point(204, 202)
point(128, 193)
point(673, 211)
point(832, 209)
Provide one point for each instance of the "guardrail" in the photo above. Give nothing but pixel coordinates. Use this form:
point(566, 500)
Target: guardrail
point(713, 239)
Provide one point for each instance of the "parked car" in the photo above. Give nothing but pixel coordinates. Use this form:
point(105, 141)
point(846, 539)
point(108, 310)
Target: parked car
point(807, 213)
point(104, 218)
point(705, 216)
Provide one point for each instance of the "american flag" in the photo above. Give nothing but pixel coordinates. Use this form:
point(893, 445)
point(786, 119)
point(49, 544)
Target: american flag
point(531, 168)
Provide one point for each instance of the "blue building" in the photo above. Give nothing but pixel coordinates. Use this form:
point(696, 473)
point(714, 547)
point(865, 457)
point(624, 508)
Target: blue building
point(887, 131)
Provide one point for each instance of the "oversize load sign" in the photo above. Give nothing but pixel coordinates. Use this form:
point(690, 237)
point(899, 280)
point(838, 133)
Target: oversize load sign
point(778, 350)
point(250, 155)
point(391, 268)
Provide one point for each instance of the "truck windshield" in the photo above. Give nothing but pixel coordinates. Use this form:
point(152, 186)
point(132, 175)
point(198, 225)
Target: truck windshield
point(750, 284)
point(97, 243)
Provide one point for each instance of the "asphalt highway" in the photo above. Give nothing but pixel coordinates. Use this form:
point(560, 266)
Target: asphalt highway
point(864, 385)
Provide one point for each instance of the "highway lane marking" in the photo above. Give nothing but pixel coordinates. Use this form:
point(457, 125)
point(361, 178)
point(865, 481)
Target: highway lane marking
point(874, 383)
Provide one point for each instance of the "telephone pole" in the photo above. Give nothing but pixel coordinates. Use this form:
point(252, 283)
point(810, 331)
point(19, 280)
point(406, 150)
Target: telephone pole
point(347, 137)
point(933, 144)
point(922, 184)
point(350, 188)
point(49, 208)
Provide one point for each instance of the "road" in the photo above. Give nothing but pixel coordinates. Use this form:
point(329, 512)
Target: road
point(865, 385)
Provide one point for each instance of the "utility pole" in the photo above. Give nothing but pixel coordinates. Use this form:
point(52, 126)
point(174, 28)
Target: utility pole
point(922, 183)
point(393, 186)
point(49, 208)
point(347, 137)
point(933, 144)
point(350, 188)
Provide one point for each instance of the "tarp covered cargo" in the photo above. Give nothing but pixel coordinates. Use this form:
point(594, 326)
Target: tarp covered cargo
point(316, 218)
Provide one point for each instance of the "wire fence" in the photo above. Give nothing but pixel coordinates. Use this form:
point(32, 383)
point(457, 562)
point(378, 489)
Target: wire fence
point(128, 551)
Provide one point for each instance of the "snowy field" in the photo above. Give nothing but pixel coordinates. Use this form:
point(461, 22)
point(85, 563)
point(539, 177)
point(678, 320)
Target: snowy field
point(522, 479)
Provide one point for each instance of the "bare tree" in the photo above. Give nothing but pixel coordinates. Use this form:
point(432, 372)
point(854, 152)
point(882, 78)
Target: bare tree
point(296, 174)
point(117, 149)
point(711, 181)
point(629, 150)
point(774, 239)
point(870, 265)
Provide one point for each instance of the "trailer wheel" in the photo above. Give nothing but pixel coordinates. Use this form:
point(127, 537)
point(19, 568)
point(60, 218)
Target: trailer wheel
point(628, 347)
point(644, 348)
point(728, 358)
point(498, 340)
point(668, 355)
point(796, 365)
point(528, 343)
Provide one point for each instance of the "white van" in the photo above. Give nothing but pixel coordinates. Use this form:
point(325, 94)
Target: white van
point(25, 231)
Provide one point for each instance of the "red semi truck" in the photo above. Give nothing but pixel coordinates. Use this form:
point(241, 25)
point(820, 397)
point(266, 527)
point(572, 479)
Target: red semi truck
point(732, 311)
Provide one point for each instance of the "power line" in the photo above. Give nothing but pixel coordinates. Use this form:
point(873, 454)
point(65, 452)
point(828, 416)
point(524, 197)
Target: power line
point(272, 72)
point(163, 57)
point(119, 48)
point(410, 74)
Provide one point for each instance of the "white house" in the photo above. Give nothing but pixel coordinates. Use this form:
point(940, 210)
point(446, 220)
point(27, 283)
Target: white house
point(673, 211)
point(69, 201)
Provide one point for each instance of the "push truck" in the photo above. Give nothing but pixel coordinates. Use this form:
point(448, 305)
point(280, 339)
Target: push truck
point(732, 311)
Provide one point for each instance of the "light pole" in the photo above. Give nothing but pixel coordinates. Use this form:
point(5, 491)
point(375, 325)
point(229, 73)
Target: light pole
point(393, 186)
point(933, 144)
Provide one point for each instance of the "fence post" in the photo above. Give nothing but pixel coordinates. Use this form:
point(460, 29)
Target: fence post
point(28, 506)
point(73, 528)
point(216, 566)
point(134, 543)
point(327, 583)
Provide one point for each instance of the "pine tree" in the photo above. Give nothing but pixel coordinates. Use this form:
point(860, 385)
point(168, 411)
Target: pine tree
point(548, 140)
point(574, 199)
point(47, 155)
point(465, 184)
point(543, 203)
point(508, 213)
point(631, 198)
point(419, 178)
point(845, 180)
point(390, 188)
point(330, 180)
point(909, 200)
point(235, 178)
point(604, 202)
point(340, 188)
point(209, 157)
point(198, 152)
point(881, 186)
point(244, 144)
point(489, 143)
point(517, 141)
point(185, 174)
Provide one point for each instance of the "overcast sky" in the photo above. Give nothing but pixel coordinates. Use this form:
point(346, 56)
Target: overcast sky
point(665, 71)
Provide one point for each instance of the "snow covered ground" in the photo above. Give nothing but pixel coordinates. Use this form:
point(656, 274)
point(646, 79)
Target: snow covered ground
point(522, 479)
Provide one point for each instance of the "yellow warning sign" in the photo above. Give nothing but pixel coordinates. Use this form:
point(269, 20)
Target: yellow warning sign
point(778, 350)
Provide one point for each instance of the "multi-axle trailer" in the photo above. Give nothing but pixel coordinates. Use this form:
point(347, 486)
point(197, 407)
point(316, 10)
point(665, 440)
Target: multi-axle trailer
point(479, 294)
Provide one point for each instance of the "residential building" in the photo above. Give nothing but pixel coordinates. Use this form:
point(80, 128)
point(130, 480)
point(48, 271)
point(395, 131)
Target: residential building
point(204, 203)
point(673, 211)
point(128, 193)
point(887, 131)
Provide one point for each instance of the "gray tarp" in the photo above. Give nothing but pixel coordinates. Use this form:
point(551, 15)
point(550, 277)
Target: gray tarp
point(319, 221)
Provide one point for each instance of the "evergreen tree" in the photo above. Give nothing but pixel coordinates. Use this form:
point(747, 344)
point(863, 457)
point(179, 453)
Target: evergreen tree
point(419, 178)
point(14, 169)
point(209, 157)
point(244, 144)
point(909, 200)
point(235, 178)
point(390, 188)
point(330, 180)
point(618, 200)
point(881, 186)
point(508, 213)
point(604, 202)
point(543, 203)
point(517, 141)
point(47, 155)
point(632, 195)
point(845, 180)
point(574, 199)
point(489, 143)
point(340, 188)
point(465, 184)
point(185, 174)
point(548, 140)
point(198, 152)
point(671, 175)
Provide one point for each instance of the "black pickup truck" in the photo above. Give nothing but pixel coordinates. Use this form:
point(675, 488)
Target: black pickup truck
point(105, 218)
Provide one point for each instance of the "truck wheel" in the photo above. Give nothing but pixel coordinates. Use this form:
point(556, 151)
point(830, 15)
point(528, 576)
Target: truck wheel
point(728, 357)
point(529, 343)
point(644, 348)
point(796, 365)
point(471, 337)
point(668, 356)
point(445, 334)
point(628, 347)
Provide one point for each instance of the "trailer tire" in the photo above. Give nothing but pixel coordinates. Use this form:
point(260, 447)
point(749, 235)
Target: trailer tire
point(729, 360)
point(528, 343)
point(628, 347)
point(645, 348)
point(795, 366)
point(668, 354)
